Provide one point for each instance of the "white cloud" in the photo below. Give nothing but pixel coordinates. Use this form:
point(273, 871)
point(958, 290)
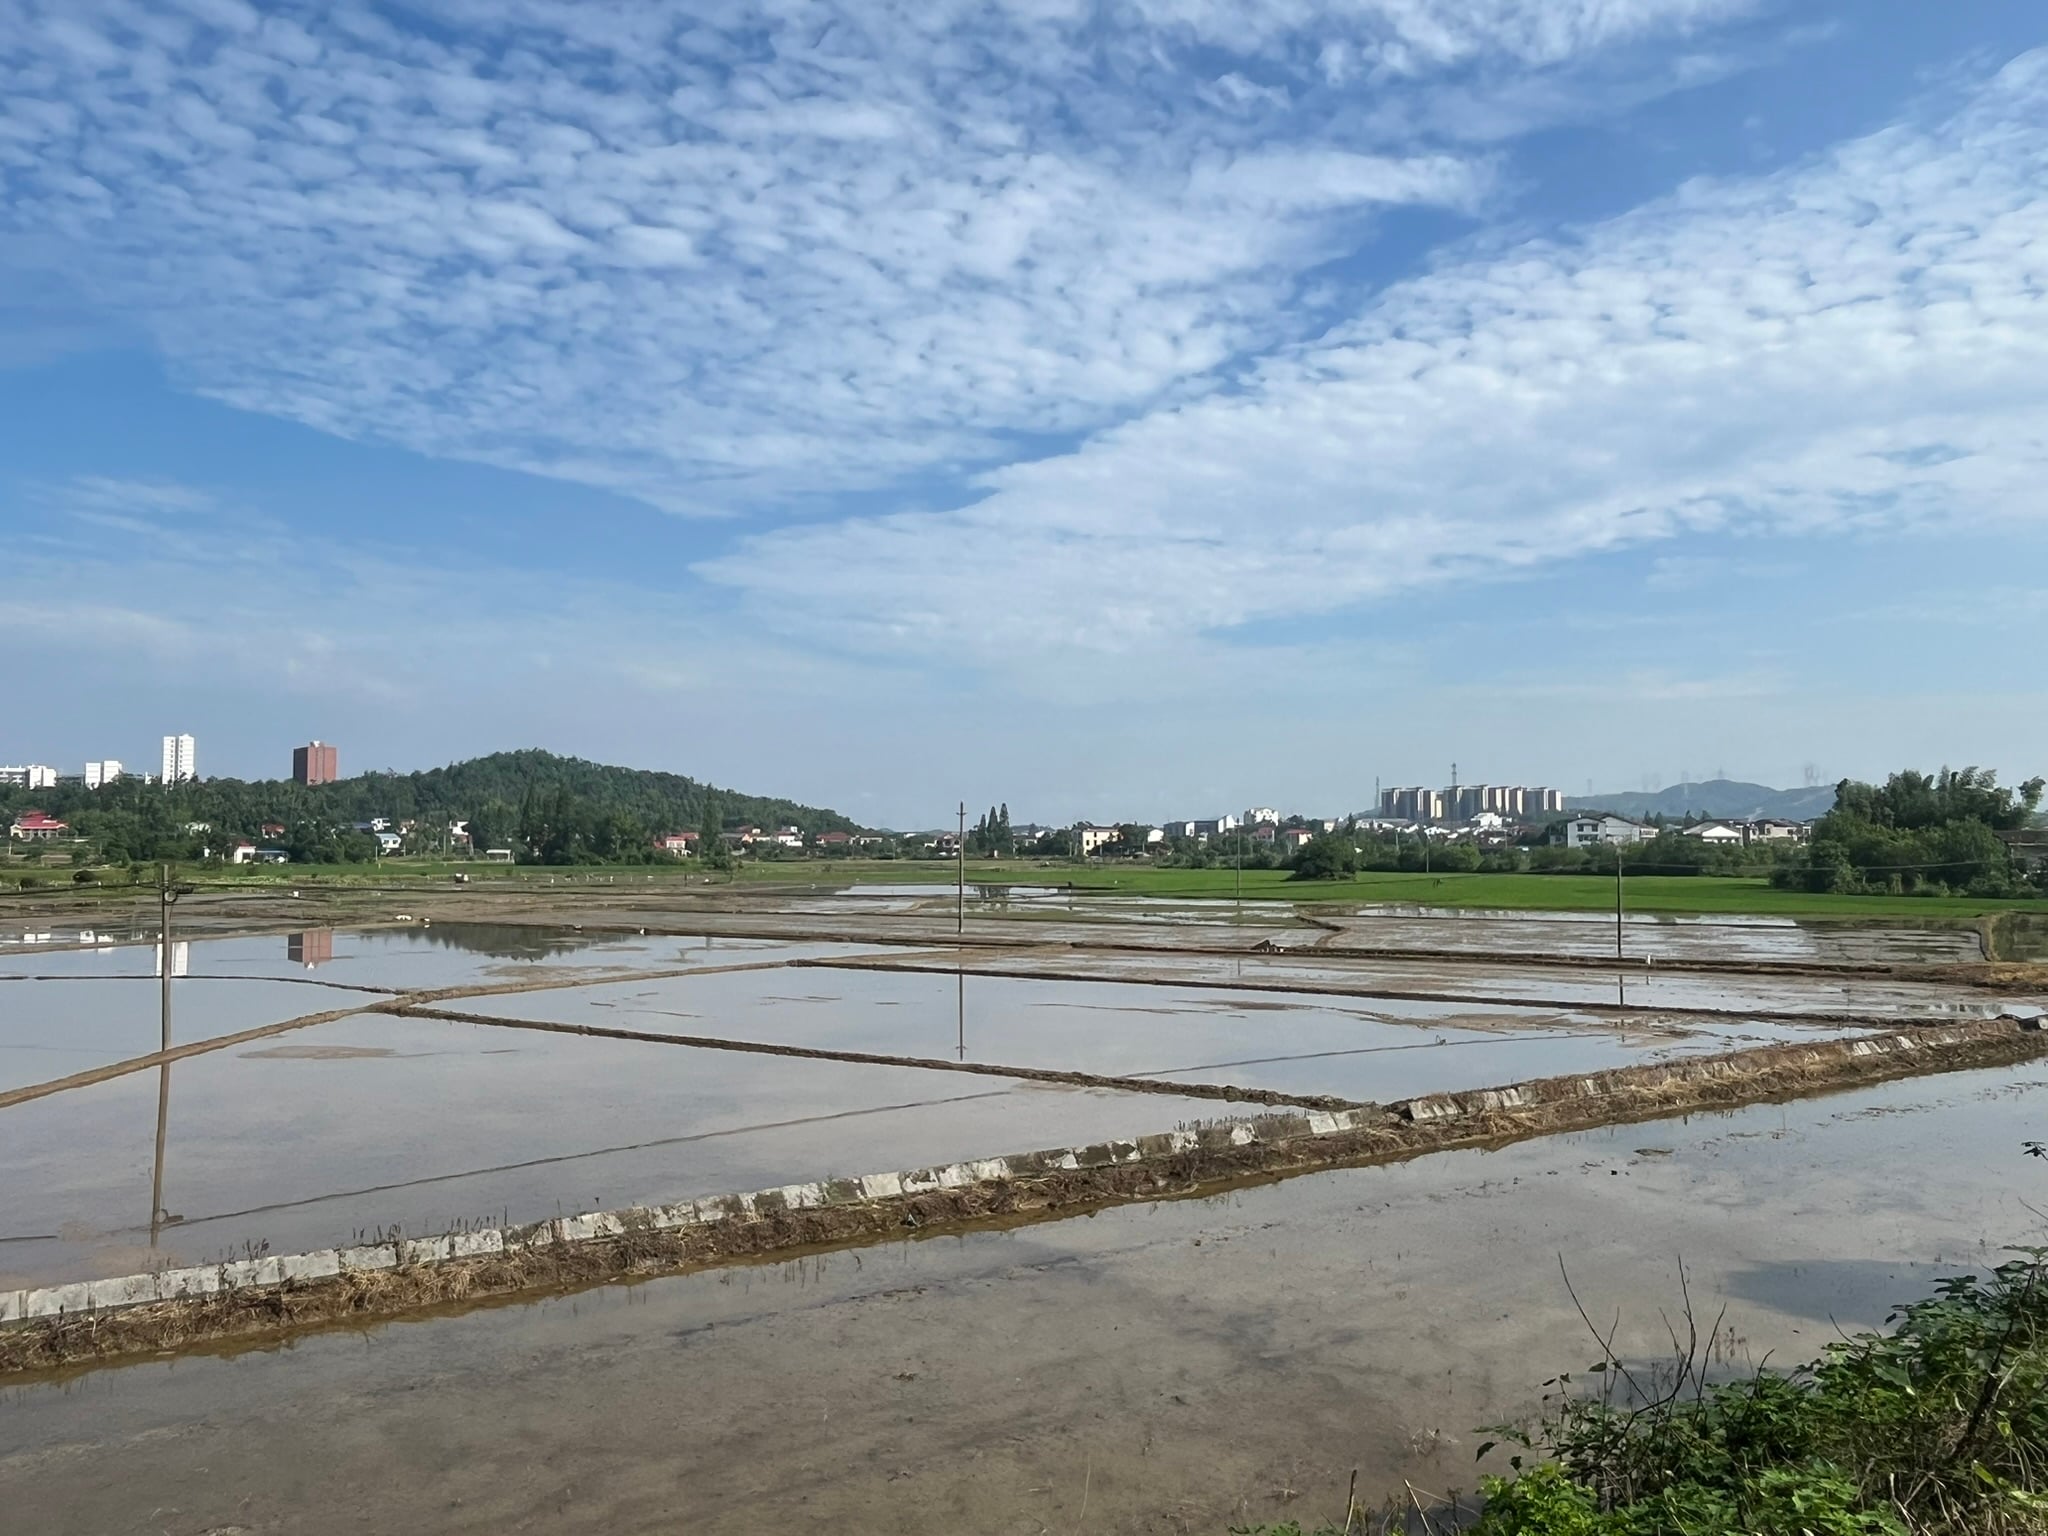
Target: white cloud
point(1861, 342)
point(724, 254)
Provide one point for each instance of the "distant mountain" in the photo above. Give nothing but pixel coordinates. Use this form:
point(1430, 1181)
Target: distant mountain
point(1716, 799)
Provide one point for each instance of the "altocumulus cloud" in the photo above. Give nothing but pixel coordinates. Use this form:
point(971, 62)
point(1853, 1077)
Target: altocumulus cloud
point(728, 254)
point(1859, 342)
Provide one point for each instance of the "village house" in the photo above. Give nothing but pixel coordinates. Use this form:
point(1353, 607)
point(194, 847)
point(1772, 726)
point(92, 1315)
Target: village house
point(1605, 828)
point(1772, 830)
point(681, 844)
point(35, 827)
point(1719, 833)
point(1092, 839)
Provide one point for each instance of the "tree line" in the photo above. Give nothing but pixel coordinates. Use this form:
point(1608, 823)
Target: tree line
point(1917, 834)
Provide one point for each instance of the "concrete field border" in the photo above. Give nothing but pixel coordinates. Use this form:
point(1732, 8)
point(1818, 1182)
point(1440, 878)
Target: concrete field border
point(275, 1294)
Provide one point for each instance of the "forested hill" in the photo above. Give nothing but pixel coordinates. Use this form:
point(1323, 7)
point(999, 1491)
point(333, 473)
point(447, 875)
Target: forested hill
point(503, 790)
point(661, 801)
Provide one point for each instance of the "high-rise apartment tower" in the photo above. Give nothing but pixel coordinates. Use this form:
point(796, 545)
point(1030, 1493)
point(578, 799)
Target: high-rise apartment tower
point(180, 759)
point(315, 763)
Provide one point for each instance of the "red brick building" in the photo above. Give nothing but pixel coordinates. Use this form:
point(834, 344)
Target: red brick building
point(315, 763)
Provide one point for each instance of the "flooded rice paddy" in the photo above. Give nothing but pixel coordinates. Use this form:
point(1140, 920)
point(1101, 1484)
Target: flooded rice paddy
point(1170, 1367)
point(1175, 1366)
point(374, 1123)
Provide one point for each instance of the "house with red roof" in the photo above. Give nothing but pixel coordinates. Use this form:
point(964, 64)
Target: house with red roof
point(35, 827)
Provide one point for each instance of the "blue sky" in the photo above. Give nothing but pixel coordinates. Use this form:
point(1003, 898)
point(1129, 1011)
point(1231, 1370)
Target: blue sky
point(1116, 409)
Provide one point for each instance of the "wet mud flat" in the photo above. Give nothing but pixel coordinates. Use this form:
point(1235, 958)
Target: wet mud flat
point(1820, 943)
point(1167, 1367)
point(1818, 998)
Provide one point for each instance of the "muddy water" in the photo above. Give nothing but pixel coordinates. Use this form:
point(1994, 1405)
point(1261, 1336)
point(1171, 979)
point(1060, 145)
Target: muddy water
point(1633, 986)
point(440, 955)
point(1152, 1369)
point(1666, 938)
point(51, 1029)
point(66, 1012)
point(2022, 936)
point(1295, 1044)
point(313, 1137)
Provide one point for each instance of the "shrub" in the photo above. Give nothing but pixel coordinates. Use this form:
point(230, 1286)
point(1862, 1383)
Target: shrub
point(1938, 1428)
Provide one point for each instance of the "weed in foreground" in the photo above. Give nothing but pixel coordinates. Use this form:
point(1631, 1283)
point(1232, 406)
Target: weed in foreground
point(1937, 1427)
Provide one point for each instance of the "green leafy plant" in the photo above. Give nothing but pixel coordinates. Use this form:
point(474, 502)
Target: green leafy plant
point(1938, 1427)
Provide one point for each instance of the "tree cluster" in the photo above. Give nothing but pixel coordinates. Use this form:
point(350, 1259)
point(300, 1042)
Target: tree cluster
point(991, 837)
point(1919, 835)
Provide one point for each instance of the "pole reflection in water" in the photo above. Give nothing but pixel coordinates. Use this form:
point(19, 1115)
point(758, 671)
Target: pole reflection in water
point(156, 1178)
point(960, 1009)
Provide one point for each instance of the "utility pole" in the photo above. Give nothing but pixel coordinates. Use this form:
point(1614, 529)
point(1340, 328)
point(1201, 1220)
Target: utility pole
point(167, 895)
point(163, 910)
point(1617, 903)
point(960, 864)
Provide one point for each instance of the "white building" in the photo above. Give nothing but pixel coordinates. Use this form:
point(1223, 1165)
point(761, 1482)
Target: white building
point(1719, 833)
point(30, 776)
point(1603, 827)
point(180, 760)
point(1093, 838)
point(102, 773)
point(1259, 813)
point(1773, 830)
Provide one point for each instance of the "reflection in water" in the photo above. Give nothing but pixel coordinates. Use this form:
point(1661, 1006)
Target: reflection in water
point(2019, 936)
point(504, 941)
point(157, 1214)
point(960, 1005)
point(312, 949)
point(181, 958)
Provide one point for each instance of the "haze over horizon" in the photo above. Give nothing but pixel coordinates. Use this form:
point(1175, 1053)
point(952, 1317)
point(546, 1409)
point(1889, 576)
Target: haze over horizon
point(1134, 408)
